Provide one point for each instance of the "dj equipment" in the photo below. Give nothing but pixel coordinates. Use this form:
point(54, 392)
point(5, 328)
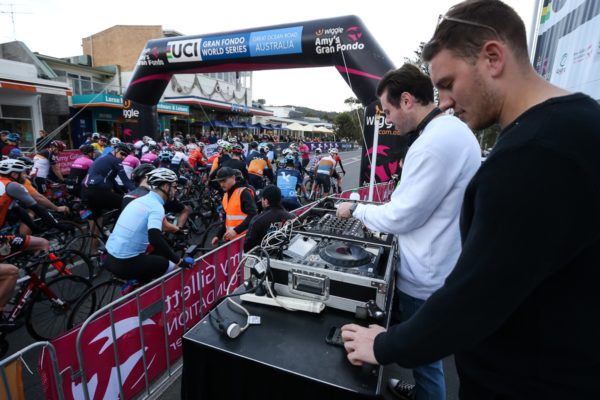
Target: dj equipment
point(338, 262)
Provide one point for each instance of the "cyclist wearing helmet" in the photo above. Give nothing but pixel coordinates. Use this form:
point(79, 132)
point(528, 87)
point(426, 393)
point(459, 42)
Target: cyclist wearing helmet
point(323, 171)
point(179, 157)
point(99, 183)
point(12, 140)
point(37, 196)
point(334, 153)
point(130, 163)
point(224, 150)
point(235, 162)
point(12, 178)
point(171, 206)
point(289, 179)
point(164, 157)
point(139, 145)
point(100, 142)
point(45, 160)
point(140, 224)
point(315, 160)
point(151, 157)
point(257, 164)
point(197, 157)
point(79, 169)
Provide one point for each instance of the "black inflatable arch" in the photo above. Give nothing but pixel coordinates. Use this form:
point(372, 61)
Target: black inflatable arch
point(343, 43)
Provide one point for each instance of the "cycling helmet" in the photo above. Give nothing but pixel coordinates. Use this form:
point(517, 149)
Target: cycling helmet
point(152, 143)
point(114, 141)
point(140, 172)
point(12, 165)
point(86, 149)
point(232, 139)
point(237, 149)
point(59, 144)
point(289, 157)
point(333, 151)
point(159, 176)
point(318, 150)
point(103, 138)
point(293, 146)
point(15, 153)
point(95, 135)
point(226, 146)
point(146, 139)
point(263, 147)
point(153, 147)
point(179, 146)
point(13, 137)
point(201, 144)
point(286, 151)
point(169, 140)
point(166, 155)
point(122, 147)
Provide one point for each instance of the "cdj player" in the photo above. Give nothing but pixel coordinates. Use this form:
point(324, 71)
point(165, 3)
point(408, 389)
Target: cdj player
point(336, 261)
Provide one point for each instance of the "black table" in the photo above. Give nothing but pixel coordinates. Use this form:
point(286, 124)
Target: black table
point(285, 357)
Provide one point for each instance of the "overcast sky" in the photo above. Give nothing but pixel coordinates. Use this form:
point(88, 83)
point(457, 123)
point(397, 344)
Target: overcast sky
point(56, 27)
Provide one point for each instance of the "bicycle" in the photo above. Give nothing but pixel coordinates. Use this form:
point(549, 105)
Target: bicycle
point(42, 307)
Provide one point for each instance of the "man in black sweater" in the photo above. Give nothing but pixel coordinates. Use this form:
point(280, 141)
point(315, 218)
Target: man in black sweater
point(272, 217)
point(519, 311)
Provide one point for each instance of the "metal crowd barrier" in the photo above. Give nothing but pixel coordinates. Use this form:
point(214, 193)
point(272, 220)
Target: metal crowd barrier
point(172, 371)
point(5, 363)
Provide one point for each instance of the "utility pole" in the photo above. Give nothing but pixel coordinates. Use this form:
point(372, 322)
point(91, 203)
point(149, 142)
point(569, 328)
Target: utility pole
point(12, 16)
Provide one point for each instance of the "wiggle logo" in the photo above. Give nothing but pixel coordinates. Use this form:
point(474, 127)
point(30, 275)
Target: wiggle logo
point(127, 103)
point(354, 33)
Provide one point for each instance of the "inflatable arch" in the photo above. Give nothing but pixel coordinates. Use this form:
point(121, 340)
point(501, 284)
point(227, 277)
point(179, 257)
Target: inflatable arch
point(343, 43)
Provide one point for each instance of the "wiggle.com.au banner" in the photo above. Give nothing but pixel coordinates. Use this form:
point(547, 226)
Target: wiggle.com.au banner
point(143, 341)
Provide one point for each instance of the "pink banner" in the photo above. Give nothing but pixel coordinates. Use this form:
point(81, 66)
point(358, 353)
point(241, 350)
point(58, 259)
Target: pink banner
point(65, 159)
point(137, 347)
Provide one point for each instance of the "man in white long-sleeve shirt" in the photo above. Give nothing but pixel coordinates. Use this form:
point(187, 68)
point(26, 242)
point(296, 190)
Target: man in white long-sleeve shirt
point(424, 209)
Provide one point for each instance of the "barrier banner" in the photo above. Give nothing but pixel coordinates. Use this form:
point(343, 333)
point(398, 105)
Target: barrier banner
point(144, 343)
point(65, 159)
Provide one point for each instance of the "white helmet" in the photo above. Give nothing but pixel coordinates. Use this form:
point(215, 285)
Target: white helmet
point(152, 143)
point(146, 139)
point(12, 165)
point(333, 151)
point(287, 151)
point(95, 135)
point(178, 145)
point(318, 150)
point(161, 175)
point(263, 147)
point(114, 141)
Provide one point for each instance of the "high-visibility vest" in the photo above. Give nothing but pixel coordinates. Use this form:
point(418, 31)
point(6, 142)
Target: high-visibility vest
point(5, 199)
point(234, 215)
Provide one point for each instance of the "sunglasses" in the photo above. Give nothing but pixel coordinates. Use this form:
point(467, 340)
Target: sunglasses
point(443, 18)
point(123, 154)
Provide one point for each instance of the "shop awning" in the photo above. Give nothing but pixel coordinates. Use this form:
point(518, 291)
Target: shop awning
point(37, 86)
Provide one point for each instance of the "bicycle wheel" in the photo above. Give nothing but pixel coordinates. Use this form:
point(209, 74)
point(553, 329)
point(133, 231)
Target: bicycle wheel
point(48, 315)
point(94, 299)
point(92, 248)
point(71, 262)
point(58, 239)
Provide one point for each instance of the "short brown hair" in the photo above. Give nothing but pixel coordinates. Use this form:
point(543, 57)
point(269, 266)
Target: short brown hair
point(407, 78)
point(492, 19)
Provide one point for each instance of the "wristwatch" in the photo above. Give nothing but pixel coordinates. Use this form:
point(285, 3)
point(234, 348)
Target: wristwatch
point(353, 207)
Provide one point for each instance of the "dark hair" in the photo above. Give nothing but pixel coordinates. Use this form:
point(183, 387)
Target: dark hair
point(273, 194)
point(492, 19)
point(407, 78)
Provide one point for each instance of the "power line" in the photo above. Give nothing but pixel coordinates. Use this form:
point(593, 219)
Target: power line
point(12, 16)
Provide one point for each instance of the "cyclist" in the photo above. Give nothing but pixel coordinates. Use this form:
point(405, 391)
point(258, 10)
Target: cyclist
point(79, 169)
point(100, 142)
point(99, 184)
point(304, 153)
point(164, 157)
point(334, 153)
point(112, 143)
point(289, 179)
point(140, 224)
point(323, 171)
point(236, 162)
point(130, 162)
point(43, 162)
point(151, 156)
point(315, 160)
point(197, 158)
point(224, 150)
point(257, 164)
point(12, 189)
point(12, 140)
point(179, 157)
point(238, 204)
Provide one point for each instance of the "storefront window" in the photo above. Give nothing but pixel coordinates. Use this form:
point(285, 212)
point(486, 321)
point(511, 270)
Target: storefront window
point(17, 119)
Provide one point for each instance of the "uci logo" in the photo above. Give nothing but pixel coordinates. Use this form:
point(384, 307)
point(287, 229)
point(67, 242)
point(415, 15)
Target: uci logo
point(184, 51)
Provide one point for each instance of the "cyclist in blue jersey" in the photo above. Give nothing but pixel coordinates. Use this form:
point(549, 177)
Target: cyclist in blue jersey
point(289, 179)
point(99, 184)
point(139, 225)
